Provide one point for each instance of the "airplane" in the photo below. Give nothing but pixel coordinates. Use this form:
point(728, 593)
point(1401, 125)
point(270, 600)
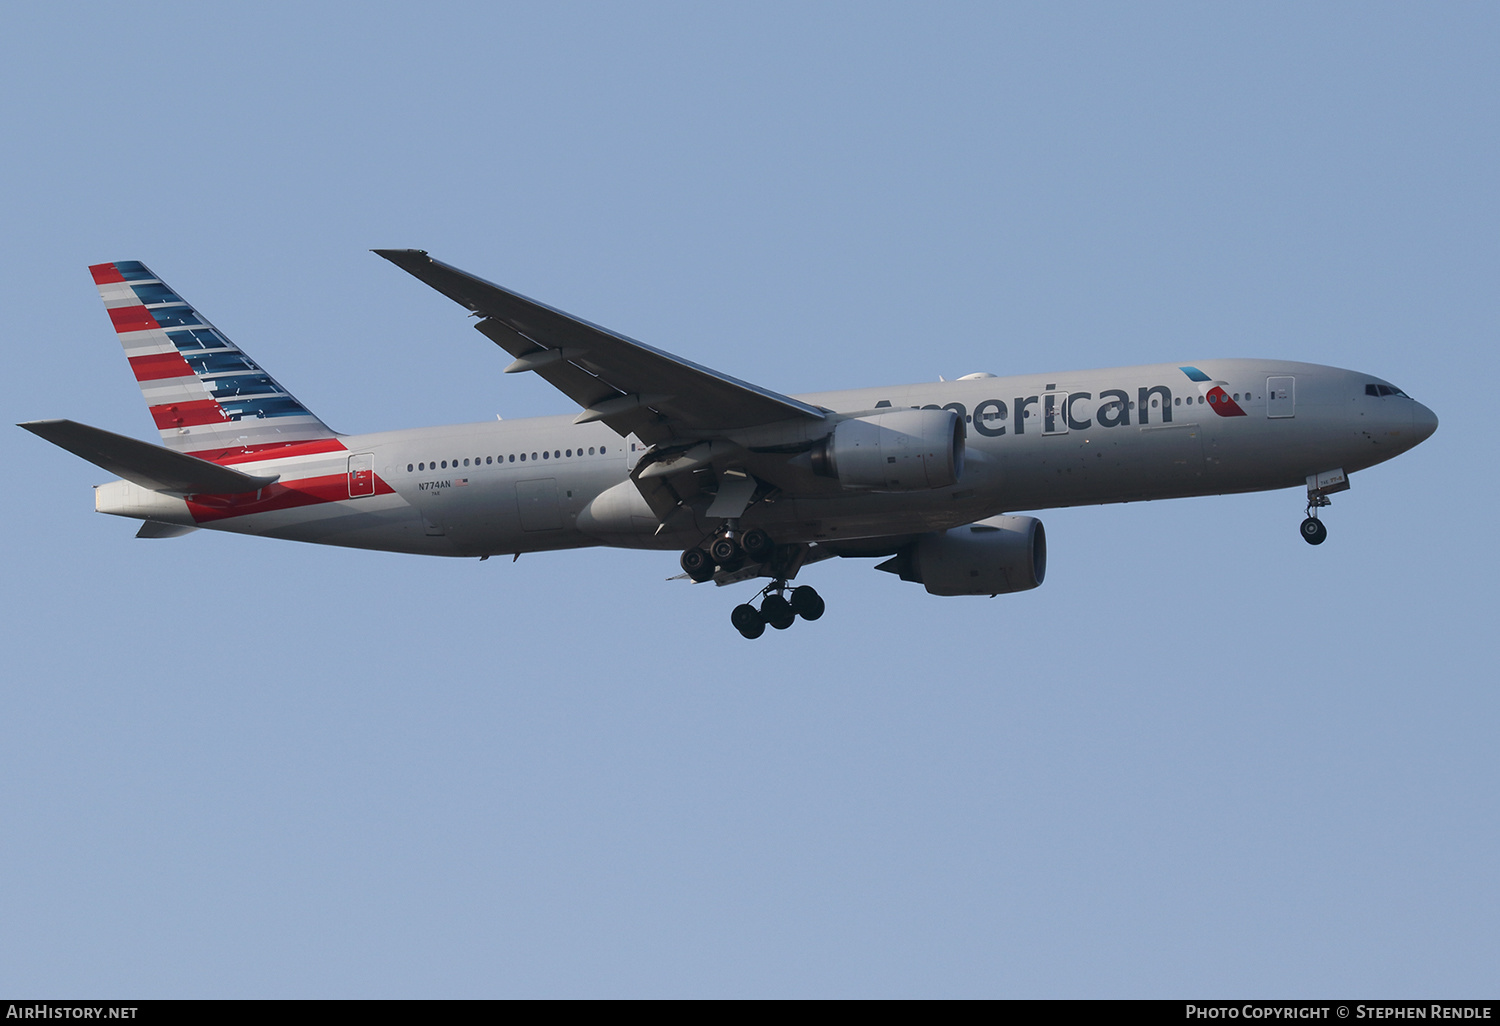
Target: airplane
point(747, 483)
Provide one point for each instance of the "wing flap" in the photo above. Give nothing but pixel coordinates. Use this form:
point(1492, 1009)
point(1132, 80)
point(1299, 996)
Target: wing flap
point(597, 366)
point(150, 466)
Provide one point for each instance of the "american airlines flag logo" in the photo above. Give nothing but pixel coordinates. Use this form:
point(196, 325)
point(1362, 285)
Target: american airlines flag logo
point(1212, 392)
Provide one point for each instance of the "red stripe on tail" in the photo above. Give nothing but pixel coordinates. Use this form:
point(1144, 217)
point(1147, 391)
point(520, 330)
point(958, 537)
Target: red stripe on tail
point(105, 274)
point(131, 318)
point(188, 414)
point(160, 365)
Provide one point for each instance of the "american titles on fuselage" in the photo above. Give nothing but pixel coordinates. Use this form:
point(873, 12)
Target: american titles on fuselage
point(1065, 410)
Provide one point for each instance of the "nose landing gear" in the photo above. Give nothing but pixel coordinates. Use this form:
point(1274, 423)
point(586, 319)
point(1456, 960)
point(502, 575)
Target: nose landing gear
point(1313, 531)
point(1319, 487)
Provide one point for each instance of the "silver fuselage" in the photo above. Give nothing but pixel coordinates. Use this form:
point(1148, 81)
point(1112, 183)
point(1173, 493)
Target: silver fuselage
point(1033, 442)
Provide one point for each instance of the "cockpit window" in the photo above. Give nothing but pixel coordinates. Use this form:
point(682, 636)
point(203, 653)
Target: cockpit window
point(1385, 390)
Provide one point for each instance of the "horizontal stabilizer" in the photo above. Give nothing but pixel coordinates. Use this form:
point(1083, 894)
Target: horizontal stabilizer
point(153, 529)
point(142, 463)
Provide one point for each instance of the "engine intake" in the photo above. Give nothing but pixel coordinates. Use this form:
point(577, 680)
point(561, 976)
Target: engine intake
point(990, 557)
point(900, 451)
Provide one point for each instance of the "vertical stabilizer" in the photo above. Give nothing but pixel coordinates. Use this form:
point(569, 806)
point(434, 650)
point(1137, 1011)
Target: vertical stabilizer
point(207, 397)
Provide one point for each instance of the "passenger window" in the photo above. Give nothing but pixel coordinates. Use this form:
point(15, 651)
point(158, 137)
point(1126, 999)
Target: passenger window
point(513, 457)
point(557, 454)
point(544, 455)
point(570, 454)
point(591, 450)
point(601, 450)
point(533, 457)
point(466, 463)
point(523, 457)
point(489, 459)
point(1177, 401)
point(445, 464)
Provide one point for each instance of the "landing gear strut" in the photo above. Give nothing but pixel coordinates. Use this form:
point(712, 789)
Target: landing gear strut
point(778, 609)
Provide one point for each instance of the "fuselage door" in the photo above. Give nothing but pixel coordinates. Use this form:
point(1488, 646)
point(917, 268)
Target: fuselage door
point(1054, 413)
point(361, 475)
point(1281, 397)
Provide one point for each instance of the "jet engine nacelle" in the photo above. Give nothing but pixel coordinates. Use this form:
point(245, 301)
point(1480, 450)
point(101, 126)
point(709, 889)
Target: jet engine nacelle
point(900, 451)
point(991, 557)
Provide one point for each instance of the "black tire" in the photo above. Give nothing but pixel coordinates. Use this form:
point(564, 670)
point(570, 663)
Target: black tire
point(807, 603)
point(747, 620)
point(726, 552)
point(697, 565)
point(777, 612)
point(758, 545)
point(1313, 531)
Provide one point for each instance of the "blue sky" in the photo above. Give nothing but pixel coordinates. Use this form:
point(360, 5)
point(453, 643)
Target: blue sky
point(1204, 759)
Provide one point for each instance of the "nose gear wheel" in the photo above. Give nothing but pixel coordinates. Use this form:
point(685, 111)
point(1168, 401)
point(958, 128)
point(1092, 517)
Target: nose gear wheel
point(1313, 530)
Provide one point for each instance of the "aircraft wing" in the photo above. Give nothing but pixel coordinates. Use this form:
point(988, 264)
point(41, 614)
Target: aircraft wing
point(628, 385)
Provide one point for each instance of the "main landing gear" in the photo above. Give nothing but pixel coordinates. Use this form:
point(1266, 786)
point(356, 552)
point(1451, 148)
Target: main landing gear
point(728, 554)
point(779, 609)
point(781, 604)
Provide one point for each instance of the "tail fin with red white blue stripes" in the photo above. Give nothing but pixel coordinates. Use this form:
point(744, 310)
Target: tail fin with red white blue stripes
point(207, 397)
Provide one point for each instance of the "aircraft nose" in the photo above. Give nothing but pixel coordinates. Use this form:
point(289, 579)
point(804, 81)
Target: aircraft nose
point(1423, 422)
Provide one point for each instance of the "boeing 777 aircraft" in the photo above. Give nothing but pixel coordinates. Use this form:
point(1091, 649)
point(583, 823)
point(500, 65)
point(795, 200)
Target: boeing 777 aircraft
point(746, 482)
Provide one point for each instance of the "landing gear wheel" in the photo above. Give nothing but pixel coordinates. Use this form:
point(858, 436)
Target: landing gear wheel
point(807, 603)
point(696, 564)
point(748, 621)
point(1313, 531)
point(777, 612)
point(758, 545)
point(727, 553)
